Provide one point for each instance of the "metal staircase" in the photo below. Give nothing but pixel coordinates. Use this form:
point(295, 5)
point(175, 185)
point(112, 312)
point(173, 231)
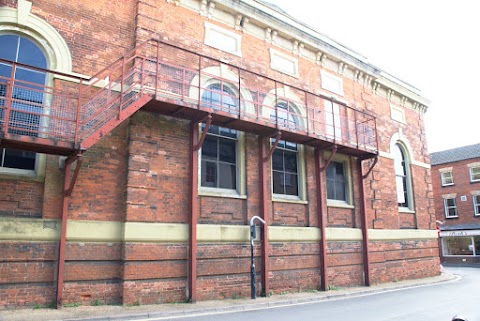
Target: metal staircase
point(71, 114)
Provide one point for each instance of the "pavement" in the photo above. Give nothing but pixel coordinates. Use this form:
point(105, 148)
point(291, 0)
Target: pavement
point(172, 310)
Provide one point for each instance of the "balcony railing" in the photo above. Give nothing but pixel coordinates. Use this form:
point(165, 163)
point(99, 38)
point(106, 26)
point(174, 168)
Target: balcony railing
point(73, 113)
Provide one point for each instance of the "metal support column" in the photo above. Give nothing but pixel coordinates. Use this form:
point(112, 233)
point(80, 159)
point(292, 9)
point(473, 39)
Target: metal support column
point(192, 248)
point(68, 184)
point(264, 211)
point(363, 210)
point(321, 214)
point(195, 145)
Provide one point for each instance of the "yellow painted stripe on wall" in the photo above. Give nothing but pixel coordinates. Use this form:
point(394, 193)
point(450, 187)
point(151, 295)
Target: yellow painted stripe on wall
point(293, 234)
point(392, 235)
point(28, 229)
point(156, 232)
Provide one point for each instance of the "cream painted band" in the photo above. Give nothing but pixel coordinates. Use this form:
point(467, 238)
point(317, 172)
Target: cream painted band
point(27, 229)
point(409, 235)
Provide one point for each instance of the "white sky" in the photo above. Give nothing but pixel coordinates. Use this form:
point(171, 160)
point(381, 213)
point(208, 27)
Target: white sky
point(432, 45)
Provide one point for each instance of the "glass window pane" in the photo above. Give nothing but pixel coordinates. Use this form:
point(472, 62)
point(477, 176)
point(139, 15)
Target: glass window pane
point(8, 47)
point(227, 176)
point(281, 143)
point(400, 190)
point(330, 189)
point(398, 160)
point(290, 162)
point(277, 160)
point(291, 184)
point(458, 246)
point(475, 173)
point(340, 192)
point(339, 171)
point(209, 148)
point(212, 129)
point(278, 182)
point(29, 76)
point(19, 159)
point(30, 54)
point(331, 171)
point(227, 150)
point(227, 132)
point(290, 145)
point(5, 72)
point(209, 174)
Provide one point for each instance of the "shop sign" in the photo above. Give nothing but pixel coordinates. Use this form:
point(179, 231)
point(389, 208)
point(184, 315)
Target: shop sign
point(459, 233)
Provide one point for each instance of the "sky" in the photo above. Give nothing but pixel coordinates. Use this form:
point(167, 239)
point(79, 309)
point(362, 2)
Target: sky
point(432, 45)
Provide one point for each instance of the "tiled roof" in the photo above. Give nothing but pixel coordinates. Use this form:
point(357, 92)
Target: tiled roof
point(455, 154)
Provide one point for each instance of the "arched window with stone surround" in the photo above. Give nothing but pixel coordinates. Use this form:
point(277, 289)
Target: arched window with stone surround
point(402, 176)
point(23, 30)
point(26, 94)
point(285, 158)
point(220, 96)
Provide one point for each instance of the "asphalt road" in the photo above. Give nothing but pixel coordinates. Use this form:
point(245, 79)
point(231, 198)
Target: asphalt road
point(436, 302)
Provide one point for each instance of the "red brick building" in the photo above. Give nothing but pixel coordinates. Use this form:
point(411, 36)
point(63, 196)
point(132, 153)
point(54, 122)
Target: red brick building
point(456, 188)
point(138, 139)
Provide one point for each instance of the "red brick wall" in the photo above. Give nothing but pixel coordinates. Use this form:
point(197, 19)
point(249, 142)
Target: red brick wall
point(401, 260)
point(462, 186)
point(140, 173)
point(20, 198)
point(26, 273)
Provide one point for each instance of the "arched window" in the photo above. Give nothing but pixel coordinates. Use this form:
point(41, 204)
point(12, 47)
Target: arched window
point(26, 94)
point(285, 115)
point(220, 156)
point(221, 97)
point(401, 176)
point(285, 171)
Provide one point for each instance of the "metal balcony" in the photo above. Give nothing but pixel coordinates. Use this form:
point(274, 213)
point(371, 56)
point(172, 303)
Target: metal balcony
point(70, 113)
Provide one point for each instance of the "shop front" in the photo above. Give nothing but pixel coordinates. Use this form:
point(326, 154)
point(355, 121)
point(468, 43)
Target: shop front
point(460, 246)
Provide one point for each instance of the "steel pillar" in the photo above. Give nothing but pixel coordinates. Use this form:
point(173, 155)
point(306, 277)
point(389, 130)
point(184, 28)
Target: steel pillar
point(68, 184)
point(363, 210)
point(192, 241)
point(321, 214)
point(264, 210)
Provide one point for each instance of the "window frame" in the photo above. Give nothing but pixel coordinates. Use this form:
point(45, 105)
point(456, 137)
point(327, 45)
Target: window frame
point(443, 178)
point(446, 207)
point(471, 169)
point(240, 189)
point(285, 150)
point(408, 204)
point(476, 204)
point(333, 120)
point(292, 120)
point(347, 165)
point(38, 171)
